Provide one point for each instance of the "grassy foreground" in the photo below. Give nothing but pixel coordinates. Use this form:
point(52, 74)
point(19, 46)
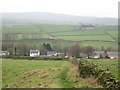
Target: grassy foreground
point(42, 74)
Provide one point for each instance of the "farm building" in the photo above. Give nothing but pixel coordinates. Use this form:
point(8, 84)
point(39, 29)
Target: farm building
point(54, 53)
point(98, 52)
point(51, 53)
point(34, 53)
point(4, 53)
point(52, 38)
point(87, 27)
point(112, 54)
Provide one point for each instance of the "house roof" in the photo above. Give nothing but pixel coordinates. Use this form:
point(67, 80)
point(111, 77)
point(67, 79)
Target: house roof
point(34, 51)
point(113, 53)
point(109, 52)
point(51, 52)
point(4, 52)
point(98, 52)
point(87, 25)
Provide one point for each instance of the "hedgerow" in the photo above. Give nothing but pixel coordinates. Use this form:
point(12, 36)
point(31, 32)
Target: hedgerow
point(33, 58)
point(104, 77)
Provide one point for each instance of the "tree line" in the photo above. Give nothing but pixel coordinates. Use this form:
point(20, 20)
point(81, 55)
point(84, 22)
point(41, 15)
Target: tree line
point(13, 36)
point(23, 49)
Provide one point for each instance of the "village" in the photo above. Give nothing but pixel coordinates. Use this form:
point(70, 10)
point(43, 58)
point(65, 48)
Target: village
point(54, 54)
point(75, 51)
point(60, 44)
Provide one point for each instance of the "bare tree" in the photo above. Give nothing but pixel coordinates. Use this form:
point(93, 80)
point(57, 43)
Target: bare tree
point(57, 48)
point(6, 36)
point(43, 51)
point(102, 48)
point(75, 50)
point(23, 49)
point(88, 50)
point(65, 50)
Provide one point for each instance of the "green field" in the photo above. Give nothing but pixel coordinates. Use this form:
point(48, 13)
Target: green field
point(99, 44)
point(80, 32)
point(113, 34)
point(42, 74)
point(107, 28)
point(50, 28)
point(36, 28)
point(49, 74)
point(80, 38)
point(26, 36)
point(20, 29)
point(66, 35)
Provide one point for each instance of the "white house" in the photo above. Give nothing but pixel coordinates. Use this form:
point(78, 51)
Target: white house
point(4, 53)
point(34, 53)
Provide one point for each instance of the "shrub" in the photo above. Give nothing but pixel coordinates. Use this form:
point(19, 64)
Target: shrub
point(105, 78)
point(33, 58)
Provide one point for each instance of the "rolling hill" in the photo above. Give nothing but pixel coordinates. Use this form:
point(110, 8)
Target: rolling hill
point(53, 18)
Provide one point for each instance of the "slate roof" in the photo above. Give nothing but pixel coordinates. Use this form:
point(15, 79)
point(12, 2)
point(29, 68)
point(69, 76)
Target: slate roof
point(34, 51)
point(51, 52)
point(109, 52)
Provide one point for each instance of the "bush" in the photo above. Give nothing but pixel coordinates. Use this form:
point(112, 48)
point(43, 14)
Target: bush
point(32, 58)
point(105, 78)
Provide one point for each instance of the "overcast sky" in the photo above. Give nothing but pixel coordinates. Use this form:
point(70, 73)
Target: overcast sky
point(95, 8)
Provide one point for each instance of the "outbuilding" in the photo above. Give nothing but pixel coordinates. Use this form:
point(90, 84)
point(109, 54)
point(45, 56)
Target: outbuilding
point(34, 53)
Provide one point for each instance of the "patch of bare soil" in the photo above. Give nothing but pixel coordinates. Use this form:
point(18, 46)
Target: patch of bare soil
point(16, 85)
point(3, 77)
point(44, 76)
point(101, 60)
point(30, 73)
point(91, 80)
point(40, 85)
point(33, 72)
point(75, 71)
point(7, 86)
point(53, 69)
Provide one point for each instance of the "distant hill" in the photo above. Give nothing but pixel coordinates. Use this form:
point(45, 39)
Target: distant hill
point(53, 18)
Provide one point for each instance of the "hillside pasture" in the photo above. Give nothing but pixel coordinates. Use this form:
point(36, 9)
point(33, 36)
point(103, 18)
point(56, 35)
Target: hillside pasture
point(20, 29)
point(99, 44)
point(41, 74)
point(113, 34)
point(56, 28)
point(81, 32)
point(66, 35)
point(65, 43)
point(107, 28)
point(36, 28)
point(90, 38)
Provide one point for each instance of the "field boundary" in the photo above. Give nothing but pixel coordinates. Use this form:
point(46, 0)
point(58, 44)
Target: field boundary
point(111, 36)
point(57, 39)
point(104, 77)
point(34, 58)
